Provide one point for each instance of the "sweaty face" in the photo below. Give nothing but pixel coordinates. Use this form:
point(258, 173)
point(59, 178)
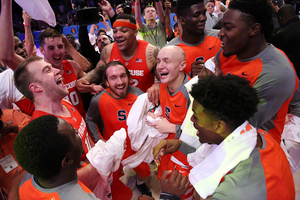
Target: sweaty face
point(195, 19)
point(117, 81)
point(102, 41)
point(234, 34)
point(170, 62)
point(19, 48)
point(75, 148)
point(48, 79)
point(124, 37)
point(53, 51)
point(210, 7)
point(205, 125)
point(150, 13)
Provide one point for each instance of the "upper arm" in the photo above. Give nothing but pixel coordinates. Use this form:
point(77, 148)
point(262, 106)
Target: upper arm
point(138, 16)
point(151, 55)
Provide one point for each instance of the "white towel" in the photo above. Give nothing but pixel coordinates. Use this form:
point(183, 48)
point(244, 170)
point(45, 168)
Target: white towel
point(106, 156)
point(212, 162)
point(142, 137)
point(291, 145)
point(38, 10)
point(189, 133)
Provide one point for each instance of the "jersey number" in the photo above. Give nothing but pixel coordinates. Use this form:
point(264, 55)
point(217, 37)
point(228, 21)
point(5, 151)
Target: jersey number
point(73, 98)
point(167, 112)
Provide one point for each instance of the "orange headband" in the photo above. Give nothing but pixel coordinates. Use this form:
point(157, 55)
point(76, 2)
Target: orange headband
point(125, 24)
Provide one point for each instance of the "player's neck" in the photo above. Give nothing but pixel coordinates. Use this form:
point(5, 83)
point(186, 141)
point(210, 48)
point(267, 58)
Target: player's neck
point(151, 23)
point(191, 38)
point(253, 49)
point(57, 180)
point(54, 107)
point(174, 85)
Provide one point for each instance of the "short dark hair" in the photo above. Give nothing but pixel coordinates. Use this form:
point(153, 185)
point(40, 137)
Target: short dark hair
point(23, 78)
point(48, 33)
point(127, 16)
point(40, 148)
point(212, 1)
point(229, 98)
point(101, 30)
point(183, 6)
point(114, 63)
point(256, 11)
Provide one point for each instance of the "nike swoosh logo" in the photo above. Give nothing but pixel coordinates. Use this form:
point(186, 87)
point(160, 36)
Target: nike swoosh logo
point(210, 48)
point(130, 104)
point(177, 105)
point(245, 74)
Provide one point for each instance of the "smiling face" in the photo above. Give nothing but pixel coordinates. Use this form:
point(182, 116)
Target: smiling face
point(53, 51)
point(124, 37)
point(20, 48)
point(194, 21)
point(117, 81)
point(205, 125)
point(170, 63)
point(234, 34)
point(47, 79)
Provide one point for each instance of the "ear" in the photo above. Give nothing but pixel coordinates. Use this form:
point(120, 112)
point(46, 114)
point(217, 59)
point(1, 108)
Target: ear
point(136, 32)
point(67, 161)
point(35, 87)
point(182, 66)
point(254, 29)
point(42, 50)
point(220, 127)
point(181, 20)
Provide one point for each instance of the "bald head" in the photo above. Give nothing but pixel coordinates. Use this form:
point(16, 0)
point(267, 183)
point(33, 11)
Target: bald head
point(285, 13)
point(170, 65)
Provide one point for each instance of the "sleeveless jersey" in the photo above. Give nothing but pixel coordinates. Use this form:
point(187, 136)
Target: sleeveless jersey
point(75, 190)
point(273, 76)
point(74, 95)
point(76, 121)
point(205, 49)
point(139, 72)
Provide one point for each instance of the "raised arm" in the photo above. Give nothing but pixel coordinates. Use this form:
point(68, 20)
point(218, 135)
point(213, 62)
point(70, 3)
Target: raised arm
point(138, 15)
point(160, 11)
point(29, 42)
point(169, 29)
point(7, 53)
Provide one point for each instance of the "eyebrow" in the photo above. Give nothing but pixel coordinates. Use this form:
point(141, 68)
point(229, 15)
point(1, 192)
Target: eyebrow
point(45, 68)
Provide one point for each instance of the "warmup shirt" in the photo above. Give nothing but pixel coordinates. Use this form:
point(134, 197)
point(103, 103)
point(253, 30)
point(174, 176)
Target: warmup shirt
point(156, 36)
point(75, 190)
point(75, 120)
point(74, 95)
point(109, 114)
point(266, 174)
point(139, 72)
point(205, 49)
point(273, 76)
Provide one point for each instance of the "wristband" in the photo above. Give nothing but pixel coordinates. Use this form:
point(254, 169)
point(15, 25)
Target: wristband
point(26, 24)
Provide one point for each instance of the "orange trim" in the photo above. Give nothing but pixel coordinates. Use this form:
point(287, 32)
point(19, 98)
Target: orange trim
point(125, 24)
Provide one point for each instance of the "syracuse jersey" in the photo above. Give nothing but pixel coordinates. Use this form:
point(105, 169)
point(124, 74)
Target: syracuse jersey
point(139, 72)
point(70, 79)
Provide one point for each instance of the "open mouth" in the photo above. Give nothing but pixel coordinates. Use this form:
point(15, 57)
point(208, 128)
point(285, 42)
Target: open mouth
point(60, 81)
point(164, 74)
point(223, 44)
point(57, 58)
point(119, 42)
point(120, 87)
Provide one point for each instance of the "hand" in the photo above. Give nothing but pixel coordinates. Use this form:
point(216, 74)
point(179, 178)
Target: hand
point(168, 4)
point(153, 94)
point(7, 129)
point(83, 86)
point(26, 17)
point(196, 68)
point(176, 184)
point(119, 10)
point(105, 5)
point(218, 6)
point(96, 89)
point(164, 126)
point(145, 197)
point(164, 147)
point(15, 184)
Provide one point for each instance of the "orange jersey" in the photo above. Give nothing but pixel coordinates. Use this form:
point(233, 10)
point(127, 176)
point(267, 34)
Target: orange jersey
point(75, 190)
point(74, 96)
point(204, 50)
point(139, 72)
point(273, 75)
point(76, 121)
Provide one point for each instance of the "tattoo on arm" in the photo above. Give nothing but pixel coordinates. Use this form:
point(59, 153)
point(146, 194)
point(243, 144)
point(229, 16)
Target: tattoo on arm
point(152, 55)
